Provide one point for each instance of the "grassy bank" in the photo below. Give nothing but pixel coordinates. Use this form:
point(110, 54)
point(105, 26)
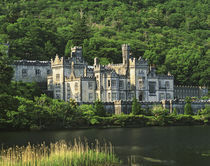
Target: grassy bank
point(60, 153)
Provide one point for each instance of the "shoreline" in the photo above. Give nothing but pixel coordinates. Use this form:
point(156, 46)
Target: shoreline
point(124, 124)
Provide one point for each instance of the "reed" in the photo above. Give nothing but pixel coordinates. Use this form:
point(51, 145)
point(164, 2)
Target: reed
point(60, 153)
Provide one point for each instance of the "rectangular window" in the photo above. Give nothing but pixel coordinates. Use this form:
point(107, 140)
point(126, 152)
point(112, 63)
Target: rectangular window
point(121, 84)
point(167, 85)
point(129, 85)
point(122, 96)
point(58, 85)
point(68, 86)
point(58, 96)
point(90, 96)
point(168, 96)
point(161, 96)
point(38, 72)
point(114, 83)
point(57, 77)
point(48, 72)
point(140, 84)
point(152, 88)
point(90, 85)
point(114, 96)
point(76, 86)
point(24, 73)
point(109, 96)
point(109, 84)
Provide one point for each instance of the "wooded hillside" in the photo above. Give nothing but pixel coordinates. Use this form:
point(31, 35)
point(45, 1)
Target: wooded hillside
point(173, 34)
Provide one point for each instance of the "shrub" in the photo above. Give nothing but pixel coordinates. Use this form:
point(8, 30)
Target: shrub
point(187, 108)
point(136, 107)
point(158, 110)
point(99, 108)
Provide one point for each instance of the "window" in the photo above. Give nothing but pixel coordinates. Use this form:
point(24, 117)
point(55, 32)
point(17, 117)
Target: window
point(109, 96)
point(114, 83)
point(24, 73)
point(58, 85)
point(38, 72)
point(168, 96)
point(58, 96)
point(114, 96)
point(161, 96)
point(76, 85)
point(121, 84)
point(129, 85)
point(97, 84)
point(57, 77)
point(140, 84)
point(152, 88)
point(122, 96)
point(109, 84)
point(130, 96)
point(48, 72)
point(68, 86)
point(90, 96)
point(167, 85)
point(90, 85)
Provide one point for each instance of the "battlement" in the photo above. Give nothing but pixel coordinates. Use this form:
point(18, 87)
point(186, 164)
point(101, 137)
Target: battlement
point(57, 61)
point(32, 63)
point(88, 78)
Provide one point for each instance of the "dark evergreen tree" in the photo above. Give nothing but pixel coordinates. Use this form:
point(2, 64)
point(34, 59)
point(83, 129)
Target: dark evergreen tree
point(79, 31)
point(188, 108)
point(99, 108)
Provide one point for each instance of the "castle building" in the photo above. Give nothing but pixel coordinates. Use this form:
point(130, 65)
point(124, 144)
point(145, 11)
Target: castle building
point(31, 71)
point(74, 78)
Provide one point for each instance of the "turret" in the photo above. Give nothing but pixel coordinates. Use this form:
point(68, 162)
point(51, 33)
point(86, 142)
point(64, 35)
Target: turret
point(76, 52)
point(125, 53)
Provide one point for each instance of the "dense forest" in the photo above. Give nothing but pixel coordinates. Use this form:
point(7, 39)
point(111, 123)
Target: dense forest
point(172, 34)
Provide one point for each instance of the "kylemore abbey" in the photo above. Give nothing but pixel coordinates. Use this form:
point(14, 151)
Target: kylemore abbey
point(74, 78)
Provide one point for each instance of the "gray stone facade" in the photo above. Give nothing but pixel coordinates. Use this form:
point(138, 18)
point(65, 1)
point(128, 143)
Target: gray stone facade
point(31, 71)
point(73, 78)
point(181, 92)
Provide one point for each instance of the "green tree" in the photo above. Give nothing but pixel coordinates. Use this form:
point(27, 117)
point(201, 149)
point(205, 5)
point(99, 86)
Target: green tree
point(136, 107)
point(99, 108)
point(79, 31)
point(188, 108)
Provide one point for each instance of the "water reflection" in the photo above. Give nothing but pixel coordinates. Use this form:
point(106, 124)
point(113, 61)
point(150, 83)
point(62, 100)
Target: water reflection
point(143, 146)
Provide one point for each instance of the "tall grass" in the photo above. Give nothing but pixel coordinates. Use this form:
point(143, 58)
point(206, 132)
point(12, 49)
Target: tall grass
point(60, 154)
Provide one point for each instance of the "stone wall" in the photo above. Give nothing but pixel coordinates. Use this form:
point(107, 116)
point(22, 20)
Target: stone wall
point(31, 71)
point(119, 107)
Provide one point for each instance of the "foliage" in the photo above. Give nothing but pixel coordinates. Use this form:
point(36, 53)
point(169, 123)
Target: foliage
point(99, 108)
point(136, 107)
point(60, 153)
point(171, 34)
point(187, 108)
point(157, 110)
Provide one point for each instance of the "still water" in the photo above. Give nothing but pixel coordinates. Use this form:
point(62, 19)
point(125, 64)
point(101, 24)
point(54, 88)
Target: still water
point(173, 146)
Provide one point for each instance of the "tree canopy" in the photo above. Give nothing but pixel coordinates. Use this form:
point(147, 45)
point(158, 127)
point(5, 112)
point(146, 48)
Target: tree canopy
point(173, 34)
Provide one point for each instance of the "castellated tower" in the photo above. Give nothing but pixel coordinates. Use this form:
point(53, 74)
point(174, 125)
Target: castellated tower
point(76, 52)
point(125, 53)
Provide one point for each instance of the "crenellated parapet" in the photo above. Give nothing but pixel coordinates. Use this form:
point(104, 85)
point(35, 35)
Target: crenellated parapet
point(57, 61)
point(88, 78)
point(32, 63)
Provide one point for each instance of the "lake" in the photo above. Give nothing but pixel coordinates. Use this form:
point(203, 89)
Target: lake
point(178, 146)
